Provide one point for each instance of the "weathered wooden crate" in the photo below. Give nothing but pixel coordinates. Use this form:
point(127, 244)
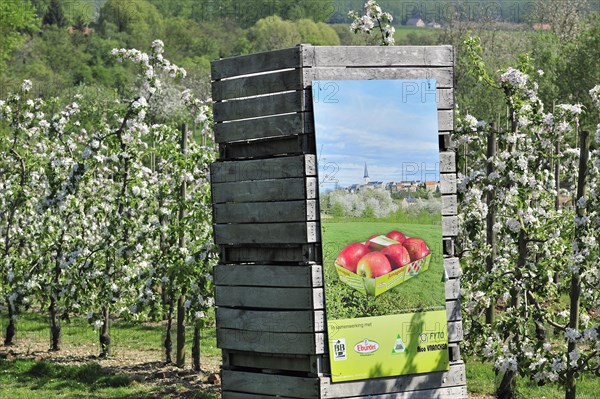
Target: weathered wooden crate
point(269, 283)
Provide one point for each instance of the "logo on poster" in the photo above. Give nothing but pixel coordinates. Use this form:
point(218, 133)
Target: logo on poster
point(339, 349)
point(366, 347)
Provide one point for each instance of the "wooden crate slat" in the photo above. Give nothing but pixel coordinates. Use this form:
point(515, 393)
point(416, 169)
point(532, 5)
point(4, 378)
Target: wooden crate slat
point(269, 275)
point(263, 169)
point(452, 266)
point(455, 376)
point(304, 321)
point(255, 63)
point(269, 297)
point(454, 352)
point(453, 312)
point(265, 190)
point(270, 384)
point(450, 226)
point(453, 289)
point(449, 205)
point(448, 183)
point(445, 98)
point(272, 254)
point(286, 145)
point(455, 331)
point(449, 247)
point(445, 393)
point(443, 76)
point(445, 120)
point(241, 395)
point(266, 212)
point(256, 107)
point(233, 359)
point(445, 140)
point(255, 85)
point(396, 56)
point(447, 162)
point(267, 233)
point(271, 342)
point(272, 126)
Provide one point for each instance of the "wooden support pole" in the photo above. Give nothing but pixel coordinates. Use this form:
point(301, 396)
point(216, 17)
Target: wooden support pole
point(575, 291)
point(180, 361)
point(491, 218)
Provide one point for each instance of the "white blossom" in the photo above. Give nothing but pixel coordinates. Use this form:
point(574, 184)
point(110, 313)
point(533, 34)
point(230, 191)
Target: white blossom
point(574, 356)
point(514, 78)
point(574, 109)
point(514, 225)
point(26, 86)
point(572, 335)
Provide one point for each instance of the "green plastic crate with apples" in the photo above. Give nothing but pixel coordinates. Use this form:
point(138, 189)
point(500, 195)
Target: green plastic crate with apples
point(382, 262)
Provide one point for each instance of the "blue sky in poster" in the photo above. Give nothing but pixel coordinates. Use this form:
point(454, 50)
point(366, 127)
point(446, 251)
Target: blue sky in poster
point(391, 125)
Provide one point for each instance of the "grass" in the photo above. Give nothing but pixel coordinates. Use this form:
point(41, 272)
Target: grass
point(482, 380)
point(20, 378)
point(135, 371)
point(124, 334)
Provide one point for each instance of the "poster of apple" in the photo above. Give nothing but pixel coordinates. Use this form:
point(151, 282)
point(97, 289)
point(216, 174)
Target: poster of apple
point(380, 204)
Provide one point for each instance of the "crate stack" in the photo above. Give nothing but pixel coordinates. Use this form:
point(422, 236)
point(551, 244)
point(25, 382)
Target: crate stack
point(269, 284)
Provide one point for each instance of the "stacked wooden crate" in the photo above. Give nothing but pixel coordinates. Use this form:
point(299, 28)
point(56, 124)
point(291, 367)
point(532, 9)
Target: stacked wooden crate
point(269, 284)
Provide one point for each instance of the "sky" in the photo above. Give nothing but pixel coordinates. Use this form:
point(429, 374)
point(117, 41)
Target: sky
point(391, 125)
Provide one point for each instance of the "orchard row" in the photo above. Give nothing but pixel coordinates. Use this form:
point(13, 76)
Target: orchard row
point(104, 207)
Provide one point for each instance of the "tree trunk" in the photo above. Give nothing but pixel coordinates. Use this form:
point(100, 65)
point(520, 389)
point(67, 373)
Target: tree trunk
point(105, 347)
point(168, 340)
point(53, 309)
point(575, 291)
point(10, 329)
point(180, 362)
point(557, 186)
point(54, 325)
point(196, 348)
point(165, 300)
point(490, 312)
point(506, 389)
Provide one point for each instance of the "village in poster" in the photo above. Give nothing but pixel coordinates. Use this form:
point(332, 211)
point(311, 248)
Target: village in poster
point(380, 203)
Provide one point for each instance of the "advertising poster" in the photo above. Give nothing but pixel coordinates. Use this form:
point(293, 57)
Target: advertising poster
point(380, 203)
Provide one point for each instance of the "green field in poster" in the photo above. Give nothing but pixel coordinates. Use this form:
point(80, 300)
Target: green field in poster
point(390, 345)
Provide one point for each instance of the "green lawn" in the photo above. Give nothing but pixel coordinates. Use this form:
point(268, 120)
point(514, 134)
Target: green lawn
point(22, 377)
point(133, 371)
point(481, 380)
point(125, 335)
point(19, 379)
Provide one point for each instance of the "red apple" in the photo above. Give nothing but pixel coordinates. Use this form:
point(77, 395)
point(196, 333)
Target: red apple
point(396, 236)
point(349, 256)
point(369, 244)
point(397, 255)
point(373, 264)
point(416, 248)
